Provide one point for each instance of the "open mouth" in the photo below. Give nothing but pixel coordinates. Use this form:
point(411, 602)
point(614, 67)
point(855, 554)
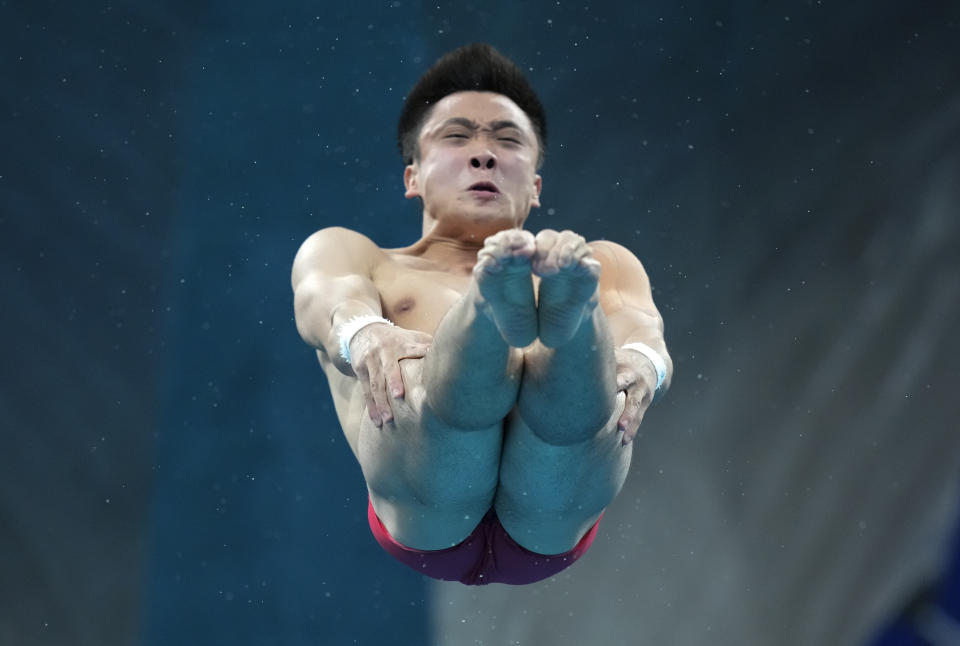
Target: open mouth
point(485, 186)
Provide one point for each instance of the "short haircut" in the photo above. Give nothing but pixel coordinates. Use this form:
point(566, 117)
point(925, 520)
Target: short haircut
point(471, 68)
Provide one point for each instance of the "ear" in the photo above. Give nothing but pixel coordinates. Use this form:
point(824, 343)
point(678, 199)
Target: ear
point(537, 186)
point(410, 181)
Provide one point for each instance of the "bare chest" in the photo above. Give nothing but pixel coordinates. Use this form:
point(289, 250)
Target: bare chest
point(417, 298)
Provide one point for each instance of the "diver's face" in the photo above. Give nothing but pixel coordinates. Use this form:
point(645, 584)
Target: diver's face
point(478, 154)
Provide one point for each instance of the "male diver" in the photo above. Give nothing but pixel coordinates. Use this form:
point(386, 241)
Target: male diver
point(488, 380)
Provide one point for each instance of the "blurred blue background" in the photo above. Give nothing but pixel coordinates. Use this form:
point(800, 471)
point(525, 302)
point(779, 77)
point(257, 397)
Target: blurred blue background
point(171, 469)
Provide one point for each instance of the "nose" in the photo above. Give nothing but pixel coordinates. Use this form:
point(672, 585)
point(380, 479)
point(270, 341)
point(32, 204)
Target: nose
point(484, 160)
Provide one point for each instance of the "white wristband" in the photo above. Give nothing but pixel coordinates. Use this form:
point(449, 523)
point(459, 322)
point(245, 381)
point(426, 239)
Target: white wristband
point(348, 330)
point(658, 363)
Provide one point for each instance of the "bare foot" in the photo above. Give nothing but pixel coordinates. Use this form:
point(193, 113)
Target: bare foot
point(504, 279)
point(568, 284)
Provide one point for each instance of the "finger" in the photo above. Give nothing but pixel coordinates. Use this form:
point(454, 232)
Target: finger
point(423, 337)
point(630, 434)
point(378, 390)
point(631, 407)
point(625, 380)
point(633, 424)
point(624, 422)
point(368, 400)
point(395, 382)
point(414, 351)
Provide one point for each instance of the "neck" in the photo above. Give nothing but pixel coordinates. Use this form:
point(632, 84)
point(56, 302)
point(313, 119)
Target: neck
point(466, 232)
point(453, 244)
point(456, 256)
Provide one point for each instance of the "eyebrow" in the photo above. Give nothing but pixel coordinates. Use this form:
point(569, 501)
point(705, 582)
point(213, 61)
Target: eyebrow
point(473, 125)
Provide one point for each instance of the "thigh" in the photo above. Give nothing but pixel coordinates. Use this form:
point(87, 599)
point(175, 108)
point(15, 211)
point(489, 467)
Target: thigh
point(549, 496)
point(430, 484)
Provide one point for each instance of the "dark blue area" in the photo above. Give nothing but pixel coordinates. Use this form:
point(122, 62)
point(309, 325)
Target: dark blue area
point(932, 616)
point(259, 520)
point(162, 162)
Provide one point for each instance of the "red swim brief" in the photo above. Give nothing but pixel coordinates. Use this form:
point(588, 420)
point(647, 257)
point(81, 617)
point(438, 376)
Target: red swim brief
point(487, 555)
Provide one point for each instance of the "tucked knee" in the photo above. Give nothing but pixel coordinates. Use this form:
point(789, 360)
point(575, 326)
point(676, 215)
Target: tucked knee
point(476, 406)
point(568, 423)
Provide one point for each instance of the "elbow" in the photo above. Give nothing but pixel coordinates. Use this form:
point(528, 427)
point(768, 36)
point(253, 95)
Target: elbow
point(304, 302)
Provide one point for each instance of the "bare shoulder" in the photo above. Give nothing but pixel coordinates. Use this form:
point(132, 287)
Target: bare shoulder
point(336, 251)
point(616, 259)
point(331, 238)
point(623, 279)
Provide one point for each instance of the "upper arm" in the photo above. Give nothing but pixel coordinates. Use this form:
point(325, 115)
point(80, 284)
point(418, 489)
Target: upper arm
point(623, 281)
point(332, 267)
point(331, 253)
point(627, 300)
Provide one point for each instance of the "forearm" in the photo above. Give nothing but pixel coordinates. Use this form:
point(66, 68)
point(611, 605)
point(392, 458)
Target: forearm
point(634, 325)
point(323, 306)
point(627, 300)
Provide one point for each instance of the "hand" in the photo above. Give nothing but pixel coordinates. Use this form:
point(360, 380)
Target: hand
point(375, 352)
point(637, 378)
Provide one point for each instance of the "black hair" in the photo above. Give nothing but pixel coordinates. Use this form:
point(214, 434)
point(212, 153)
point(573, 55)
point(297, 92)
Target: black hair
point(478, 68)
